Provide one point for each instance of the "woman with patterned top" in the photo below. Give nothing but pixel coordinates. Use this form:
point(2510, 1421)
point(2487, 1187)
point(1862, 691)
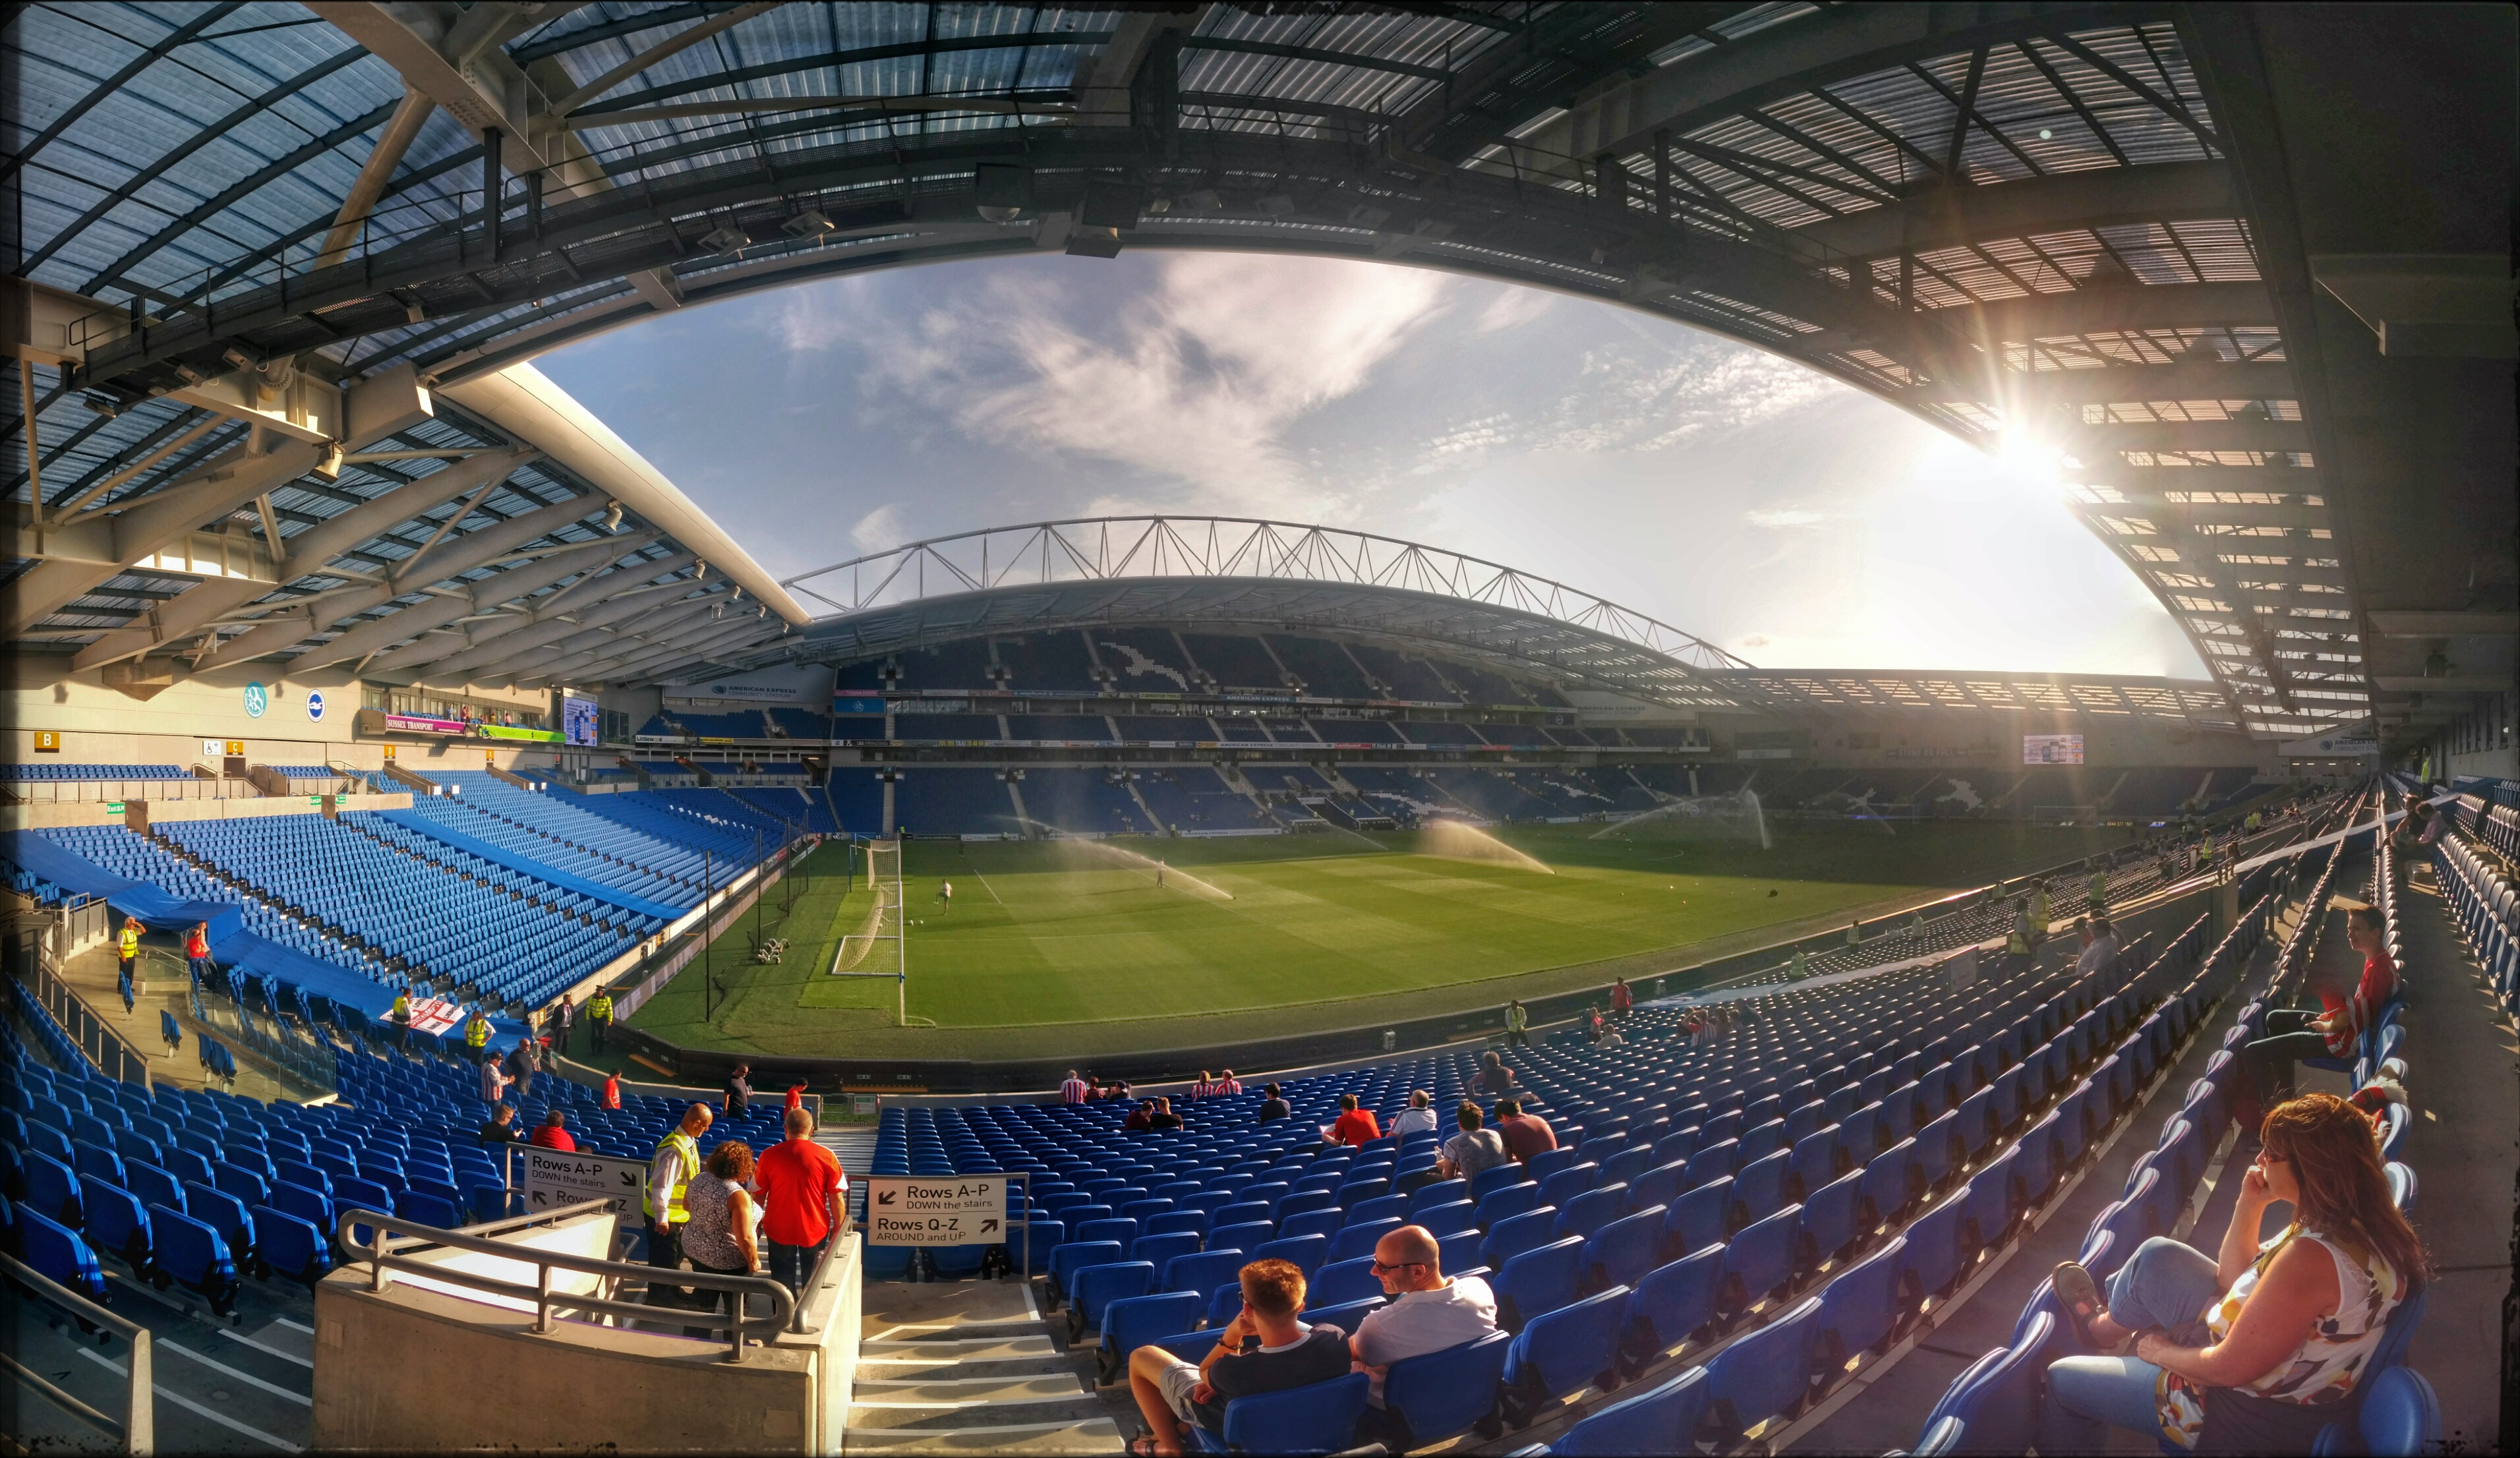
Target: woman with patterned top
point(2258, 1350)
point(719, 1236)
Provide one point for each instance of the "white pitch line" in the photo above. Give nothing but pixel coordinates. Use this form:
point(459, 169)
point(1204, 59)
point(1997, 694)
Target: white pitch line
point(268, 1349)
point(191, 1407)
point(248, 1378)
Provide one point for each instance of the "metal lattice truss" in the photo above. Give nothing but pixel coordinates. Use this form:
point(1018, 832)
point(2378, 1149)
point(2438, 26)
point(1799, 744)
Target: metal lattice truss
point(1241, 572)
point(2018, 219)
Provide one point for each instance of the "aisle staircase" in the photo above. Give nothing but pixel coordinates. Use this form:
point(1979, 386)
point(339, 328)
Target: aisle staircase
point(971, 1367)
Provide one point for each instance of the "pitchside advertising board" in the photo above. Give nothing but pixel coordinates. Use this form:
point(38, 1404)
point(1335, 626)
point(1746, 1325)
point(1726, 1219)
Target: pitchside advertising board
point(2051, 749)
point(556, 1178)
point(939, 1211)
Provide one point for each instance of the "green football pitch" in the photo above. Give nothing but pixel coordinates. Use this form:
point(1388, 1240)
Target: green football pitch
point(1052, 948)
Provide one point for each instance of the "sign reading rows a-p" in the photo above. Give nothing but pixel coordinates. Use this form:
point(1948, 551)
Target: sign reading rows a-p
point(944, 1210)
point(553, 1178)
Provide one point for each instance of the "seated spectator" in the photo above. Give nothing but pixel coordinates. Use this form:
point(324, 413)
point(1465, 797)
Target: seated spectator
point(1142, 1117)
point(1493, 1076)
point(1121, 1093)
point(1473, 1151)
point(1226, 1085)
point(1264, 1348)
point(551, 1132)
point(2294, 1033)
point(1429, 1312)
point(1163, 1117)
point(502, 1127)
point(2099, 954)
point(1273, 1105)
point(1074, 1090)
point(1418, 1117)
point(1526, 1135)
point(1609, 1038)
point(1353, 1127)
point(2254, 1352)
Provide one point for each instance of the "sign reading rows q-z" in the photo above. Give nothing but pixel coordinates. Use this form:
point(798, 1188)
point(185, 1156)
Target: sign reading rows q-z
point(942, 1210)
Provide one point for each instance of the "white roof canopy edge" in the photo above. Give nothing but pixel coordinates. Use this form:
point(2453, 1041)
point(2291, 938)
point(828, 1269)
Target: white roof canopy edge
point(525, 402)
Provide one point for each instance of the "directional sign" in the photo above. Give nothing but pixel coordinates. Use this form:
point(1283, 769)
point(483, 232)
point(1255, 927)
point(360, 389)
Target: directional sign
point(940, 1210)
point(553, 1178)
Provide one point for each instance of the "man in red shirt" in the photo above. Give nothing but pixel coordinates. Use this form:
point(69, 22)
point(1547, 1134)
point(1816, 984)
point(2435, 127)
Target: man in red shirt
point(611, 1091)
point(551, 1134)
point(1526, 1135)
point(2326, 1040)
point(804, 1200)
point(1623, 998)
point(1355, 1127)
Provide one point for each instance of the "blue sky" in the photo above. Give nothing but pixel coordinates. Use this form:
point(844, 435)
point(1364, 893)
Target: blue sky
point(1790, 518)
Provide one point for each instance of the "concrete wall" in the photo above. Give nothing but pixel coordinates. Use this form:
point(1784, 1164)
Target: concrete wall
point(415, 1370)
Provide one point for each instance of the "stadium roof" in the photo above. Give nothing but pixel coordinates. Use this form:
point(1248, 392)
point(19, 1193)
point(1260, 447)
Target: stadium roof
point(2264, 305)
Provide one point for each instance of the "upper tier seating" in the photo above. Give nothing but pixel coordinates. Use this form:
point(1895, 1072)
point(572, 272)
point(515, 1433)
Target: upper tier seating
point(1046, 663)
point(1081, 799)
point(42, 771)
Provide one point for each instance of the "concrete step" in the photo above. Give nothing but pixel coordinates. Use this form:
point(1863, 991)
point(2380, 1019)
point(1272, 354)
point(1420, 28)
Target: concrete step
point(986, 1356)
point(1090, 1436)
point(883, 1396)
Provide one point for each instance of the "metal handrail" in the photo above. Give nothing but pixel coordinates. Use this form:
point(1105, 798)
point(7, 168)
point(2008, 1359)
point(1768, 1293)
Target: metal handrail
point(389, 1235)
point(138, 1427)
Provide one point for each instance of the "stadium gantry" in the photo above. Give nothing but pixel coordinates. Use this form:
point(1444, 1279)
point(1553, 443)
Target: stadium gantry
point(2109, 227)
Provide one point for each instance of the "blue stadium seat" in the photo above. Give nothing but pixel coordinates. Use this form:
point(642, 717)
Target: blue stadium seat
point(1765, 1375)
point(1998, 1397)
point(1697, 1219)
point(191, 1251)
point(1760, 1260)
point(290, 1245)
point(1202, 1272)
point(1357, 1239)
point(1132, 1322)
point(1622, 1252)
point(1892, 1182)
point(116, 1224)
point(1861, 1310)
point(1099, 1286)
point(1675, 1302)
point(1589, 1211)
point(1068, 1257)
point(1507, 1202)
point(1662, 1420)
point(1441, 1220)
point(2400, 1415)
point(53, 1189)
point(57, 1255)
point(1318, 1419)
point(1308, 1252)
point(1559, 1352)
point(1442, 1394)
point(1515, 1234)
point(1936, 1258)
point(1537, 1281)
point(1343, 1281)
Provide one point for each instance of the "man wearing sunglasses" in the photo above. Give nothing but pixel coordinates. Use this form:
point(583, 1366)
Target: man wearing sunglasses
point(1427, 1312)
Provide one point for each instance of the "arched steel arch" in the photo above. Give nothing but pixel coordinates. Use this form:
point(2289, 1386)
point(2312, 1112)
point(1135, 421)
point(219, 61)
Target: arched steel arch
point(2068, 217)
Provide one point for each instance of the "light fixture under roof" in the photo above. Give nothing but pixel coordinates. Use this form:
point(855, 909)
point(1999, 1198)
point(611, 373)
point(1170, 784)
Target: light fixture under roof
point(724, 239)
point(809, 223)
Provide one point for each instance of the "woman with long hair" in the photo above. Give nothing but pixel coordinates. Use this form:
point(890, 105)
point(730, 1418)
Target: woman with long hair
point(2254, 1351)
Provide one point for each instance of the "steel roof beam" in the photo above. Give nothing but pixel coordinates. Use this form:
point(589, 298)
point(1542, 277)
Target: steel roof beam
point(2113, 310)
point(519, 581)
point(308, 551)
point(1958, 213)
point(2190, 378)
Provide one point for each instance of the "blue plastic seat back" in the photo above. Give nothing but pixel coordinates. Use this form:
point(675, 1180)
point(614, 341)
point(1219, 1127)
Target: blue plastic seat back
point(1567, 1183)
point(1939, 1147)
point(1097, 1287)
point(1343, 1281)
point(1662, 1420)
point(1510, 1237)
point(1174, 1223)
point(60, 1255)
point(90, 1158)
point(1861, 1307)
point(1246, 1235)
point(1589, 1211)
point(1441, 1395)
point(154, 1186)
point(1997, 1399)
point(1461, 1250)
point(429, 1210)
point(1935, 1259)
point(1548, 1163)
point(312, 1205)
point(1625, 1165)
point(191, 1251)
point(1561, 1351)
point(1502, 1205)
point(115, 1221)
point(1538, 1281)
point(1132, 1322)
point(1762, 1140)
point(1317, 1419)
point(1622, 1252)
point(1697, 1219)
point(242, 1183)
point(291, 1245)
point(1379, 1208)
point(1503, 1176)
point(1441, 1220)
point(1761, 1258)
point(1660, 1185)
point(1114, 1229)
point(1673, 1300)
point(1068, 1257)
point(1712, 1162)
point(1346, 1315)
point(1832, 1214)
point(1759, 1189)
point(1308, 1251)
point(1325, 1221)
point(1441, 1192)
point(1765, 1373)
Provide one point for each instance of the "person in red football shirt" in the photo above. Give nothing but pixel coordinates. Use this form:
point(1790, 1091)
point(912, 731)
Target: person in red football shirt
point(1355, 1127)
point(804, 1200)
point(2328, 1036)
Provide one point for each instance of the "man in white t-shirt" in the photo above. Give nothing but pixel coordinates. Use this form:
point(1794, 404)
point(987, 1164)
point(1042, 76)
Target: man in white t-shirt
point(1429, 1312)
point(1418, 1117)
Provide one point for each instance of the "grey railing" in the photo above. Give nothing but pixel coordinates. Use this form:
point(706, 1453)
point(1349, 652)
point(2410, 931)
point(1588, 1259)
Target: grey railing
point(137, 1428)
point(389, 1237)
point(95, 1037)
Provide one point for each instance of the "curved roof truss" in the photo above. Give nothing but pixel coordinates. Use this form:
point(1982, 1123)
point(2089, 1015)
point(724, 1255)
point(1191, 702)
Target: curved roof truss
point(2005, 218)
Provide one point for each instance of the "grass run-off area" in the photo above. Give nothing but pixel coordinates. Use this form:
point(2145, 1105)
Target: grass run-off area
point(1056, 947)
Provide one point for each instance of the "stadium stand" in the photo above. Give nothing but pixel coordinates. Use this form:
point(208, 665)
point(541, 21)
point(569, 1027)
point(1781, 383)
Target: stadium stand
point(39, 771)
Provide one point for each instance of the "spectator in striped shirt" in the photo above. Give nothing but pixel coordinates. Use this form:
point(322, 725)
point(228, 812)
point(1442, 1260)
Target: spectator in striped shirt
point(1228, 1086)
point(1074, 1090)
point(1204, 1088)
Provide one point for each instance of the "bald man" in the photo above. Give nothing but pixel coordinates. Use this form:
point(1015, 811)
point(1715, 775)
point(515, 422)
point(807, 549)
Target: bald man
point(1427, 1312)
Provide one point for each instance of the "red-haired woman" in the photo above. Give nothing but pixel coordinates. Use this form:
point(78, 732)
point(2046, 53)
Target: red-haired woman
point(2256, 1351)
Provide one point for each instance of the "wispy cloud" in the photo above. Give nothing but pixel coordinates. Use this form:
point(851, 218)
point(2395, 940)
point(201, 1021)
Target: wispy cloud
point(879, 529)
point(1196, 383)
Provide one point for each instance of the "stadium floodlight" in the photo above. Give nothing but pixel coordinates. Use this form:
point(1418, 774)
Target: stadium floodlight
point(724, 239)
point(810, 223)
point(613, 516)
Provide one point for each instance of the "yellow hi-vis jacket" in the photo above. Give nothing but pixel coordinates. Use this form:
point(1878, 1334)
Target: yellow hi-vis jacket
point(600, 1007)
point(476, 1033)
point(129, 943)
point(675, 1213)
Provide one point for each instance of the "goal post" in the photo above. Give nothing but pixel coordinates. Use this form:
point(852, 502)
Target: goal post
point(881, 945)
